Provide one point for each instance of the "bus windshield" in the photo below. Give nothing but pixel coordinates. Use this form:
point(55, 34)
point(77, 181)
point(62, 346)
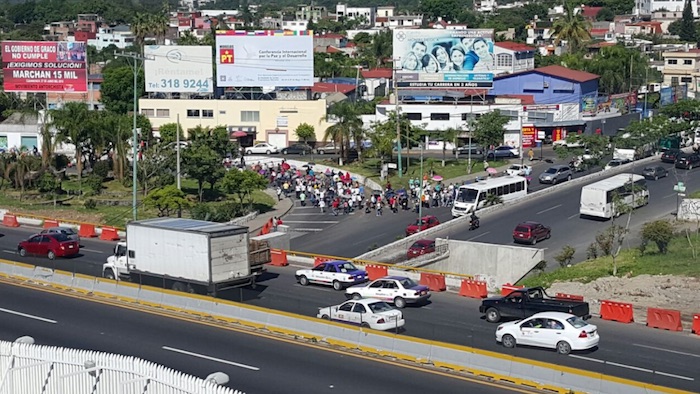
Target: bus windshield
point(467, 195)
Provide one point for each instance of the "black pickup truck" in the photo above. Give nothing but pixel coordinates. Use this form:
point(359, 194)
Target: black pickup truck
point(525, 302)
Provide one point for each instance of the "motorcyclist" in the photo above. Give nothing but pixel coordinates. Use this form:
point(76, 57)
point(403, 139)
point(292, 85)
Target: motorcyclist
point(473, 219)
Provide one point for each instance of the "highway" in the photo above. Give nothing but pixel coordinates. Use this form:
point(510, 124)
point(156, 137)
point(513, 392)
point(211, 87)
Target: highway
point(255, 363)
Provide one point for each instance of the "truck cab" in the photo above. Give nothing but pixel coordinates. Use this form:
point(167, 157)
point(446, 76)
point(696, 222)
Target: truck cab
point(117, 265)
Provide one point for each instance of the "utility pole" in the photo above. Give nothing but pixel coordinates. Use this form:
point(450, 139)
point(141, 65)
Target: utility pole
point(135, 57)
point(398, 120)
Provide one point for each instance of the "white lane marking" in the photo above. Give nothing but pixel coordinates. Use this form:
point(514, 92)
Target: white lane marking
point(548, 209)
point(667, 350)
point(671, 195)
point(91, 250)
point(480, 235)
point(9, 251)
point(311, 221)
point(573, 216)
point(670, 375)
point(28, 316)
point(172, 349)
point(307, 214)
point(307, 230)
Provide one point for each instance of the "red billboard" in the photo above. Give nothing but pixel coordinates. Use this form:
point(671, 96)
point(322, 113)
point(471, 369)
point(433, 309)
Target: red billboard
point(44, 66)
point(529, 136)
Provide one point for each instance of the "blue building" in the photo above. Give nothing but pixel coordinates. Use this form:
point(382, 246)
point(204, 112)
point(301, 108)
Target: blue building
point(551, 85)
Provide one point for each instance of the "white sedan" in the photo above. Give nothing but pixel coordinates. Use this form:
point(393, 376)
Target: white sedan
point(554, 330)
point(397, 290)
point(367, 312)
point(339, 274)
point(519, 169)
point(262, 148)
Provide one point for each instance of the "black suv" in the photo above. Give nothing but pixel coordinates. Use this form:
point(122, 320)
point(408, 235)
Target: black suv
point(688, 160)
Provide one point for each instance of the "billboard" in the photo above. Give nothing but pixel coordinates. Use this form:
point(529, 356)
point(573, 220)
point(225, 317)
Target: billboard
point(264, 58)
point(178, 69)
point(444, 59)
point(44, 66)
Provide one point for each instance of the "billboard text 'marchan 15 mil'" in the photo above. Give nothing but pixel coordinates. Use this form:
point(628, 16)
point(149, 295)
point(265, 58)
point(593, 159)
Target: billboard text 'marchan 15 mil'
point(44, 66)
point(264, 58)
point(444, 59)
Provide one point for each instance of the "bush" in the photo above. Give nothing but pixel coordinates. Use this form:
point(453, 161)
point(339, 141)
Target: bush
point(47, 182)
point(60, 162)
point(565, 256)
point(90, 204)
point(201, 211)
point(102, 168)
point(93, 183)
point(226, 211)
point(605, 242)
point(659, 232)
point(592, 251)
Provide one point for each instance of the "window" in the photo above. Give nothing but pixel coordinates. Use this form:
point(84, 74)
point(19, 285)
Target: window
point(207, 113)
point(250, 116)
point(674, 81)
point(439, 116)
point(686, 79)
point(163, 113)
point(148, 112)
point(193, 113)
point(672, 61)
point(687, 62)
point(414, 116)
point(504, 60)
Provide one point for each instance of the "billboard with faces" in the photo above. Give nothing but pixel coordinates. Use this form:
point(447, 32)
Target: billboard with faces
point(444, 59)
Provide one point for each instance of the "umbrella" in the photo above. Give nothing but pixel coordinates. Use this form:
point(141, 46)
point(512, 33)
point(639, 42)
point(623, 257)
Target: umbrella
point(437, 178)
point(492, 170)
point(239, 134)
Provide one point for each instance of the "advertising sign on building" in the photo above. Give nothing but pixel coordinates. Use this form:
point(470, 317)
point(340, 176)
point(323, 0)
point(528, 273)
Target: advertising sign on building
point(178, 69)
point(264, 58)
point(529, 134)
point(444, 59)
point(44, 66)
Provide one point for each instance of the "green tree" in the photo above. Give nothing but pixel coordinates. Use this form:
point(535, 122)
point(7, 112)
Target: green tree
point(605, 14)
point(243, 184)
point(383, 138)
point(378, 51)
point(167, 200)
point(446, 136)
point(445, 9)
point(659, 232)
point(490, 128)
point(565, 256)
point(687, 30)
point(200, 162)
point(347, 126)
point(117, 90)
point(493, 199)
point(305, 132)
point(572, 28)
point(168, 133)
point(73, 122)
point(155, 168)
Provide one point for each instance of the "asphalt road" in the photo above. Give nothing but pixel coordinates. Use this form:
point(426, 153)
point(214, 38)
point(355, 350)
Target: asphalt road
point(254, 363)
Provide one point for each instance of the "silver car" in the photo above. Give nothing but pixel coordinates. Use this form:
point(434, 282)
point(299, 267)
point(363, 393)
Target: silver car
point(67, 231)
point(556, 174)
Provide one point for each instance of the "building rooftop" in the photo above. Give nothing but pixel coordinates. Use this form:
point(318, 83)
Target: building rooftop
point(566, 73)
point(514, 46)
point(377, 73)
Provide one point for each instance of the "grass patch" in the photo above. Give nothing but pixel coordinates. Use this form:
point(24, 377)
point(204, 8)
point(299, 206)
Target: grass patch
point(678, 261)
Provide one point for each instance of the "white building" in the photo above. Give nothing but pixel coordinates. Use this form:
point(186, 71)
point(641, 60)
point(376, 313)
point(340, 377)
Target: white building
point(647, 7)
point(485, 5)
point(366, 15)
point(119, 36)
point(512, 57)
point(295, 25)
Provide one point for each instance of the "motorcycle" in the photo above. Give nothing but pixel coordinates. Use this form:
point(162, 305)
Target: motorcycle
point(473, 224)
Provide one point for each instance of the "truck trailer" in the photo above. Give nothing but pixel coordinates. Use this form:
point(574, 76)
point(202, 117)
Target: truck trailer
point(193, 256)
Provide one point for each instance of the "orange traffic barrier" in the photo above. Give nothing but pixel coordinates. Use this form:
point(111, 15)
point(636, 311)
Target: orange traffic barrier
point(473, 289)
point(435, 282)
point(665, 319)
point(616, 311)
point(109, 234)
point(572, 297)
point(10, 220)
point(319, 260)
point(87, 230)
point(48, 223)
point(696, 324)
point(508, 288)
point(376, 271)
point(278, 257)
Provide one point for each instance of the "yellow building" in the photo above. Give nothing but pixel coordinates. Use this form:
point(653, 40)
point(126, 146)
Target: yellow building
point(682, 67)
point(272, 121)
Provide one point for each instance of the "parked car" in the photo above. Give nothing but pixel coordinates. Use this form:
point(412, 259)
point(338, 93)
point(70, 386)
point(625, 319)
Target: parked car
point(420, 247)
point(49, 245)
point(671, 155)
point(421, 224)
point(519, 169)
point(688, 160)
point(339, 274)
point(567, 144)
point(531, 232)
point(262, 148)
point(553, 330)
point(547, 140)
point(67, 231)
point(297, 149)
point(556, 174)
point(368, 312)
point(654, 172)
point(465, 150)
point(397, 290)
point(614, 163)
point(330, 148)
point(525, 302)
point(503, 152)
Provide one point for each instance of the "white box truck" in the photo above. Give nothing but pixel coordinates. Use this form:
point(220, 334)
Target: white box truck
point(188, 255)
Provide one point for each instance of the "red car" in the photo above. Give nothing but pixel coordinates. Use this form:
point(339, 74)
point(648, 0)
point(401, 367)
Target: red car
point(420, 247)
point(421, 224)
point(50, 245)
point(531, 232)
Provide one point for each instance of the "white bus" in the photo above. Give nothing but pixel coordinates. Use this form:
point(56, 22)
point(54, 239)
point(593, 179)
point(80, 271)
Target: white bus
point(597, 198)
point(473, 196)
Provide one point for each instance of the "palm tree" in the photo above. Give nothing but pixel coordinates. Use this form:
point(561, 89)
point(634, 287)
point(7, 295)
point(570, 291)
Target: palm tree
point(347, 127)
point(493, 199)
point(159, 25)
point(140, 26)
point(571, 28)
point(73, 122)
point(379, 50)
